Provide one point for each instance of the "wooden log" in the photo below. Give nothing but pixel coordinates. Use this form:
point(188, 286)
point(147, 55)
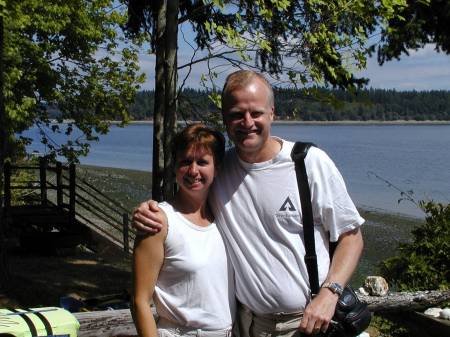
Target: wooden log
point(115, 323)
point(106, 323)
point(406, 301)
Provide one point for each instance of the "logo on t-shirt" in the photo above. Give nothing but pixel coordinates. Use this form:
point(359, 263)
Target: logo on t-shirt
point(287, 205)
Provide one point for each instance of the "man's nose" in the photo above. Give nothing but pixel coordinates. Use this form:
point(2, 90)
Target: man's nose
point(247, 121)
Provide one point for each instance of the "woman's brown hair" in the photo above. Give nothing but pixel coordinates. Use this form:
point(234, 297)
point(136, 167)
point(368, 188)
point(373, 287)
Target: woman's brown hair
point(198, 135)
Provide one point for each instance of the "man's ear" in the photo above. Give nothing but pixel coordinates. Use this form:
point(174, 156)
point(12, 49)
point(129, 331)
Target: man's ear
point(223, 118)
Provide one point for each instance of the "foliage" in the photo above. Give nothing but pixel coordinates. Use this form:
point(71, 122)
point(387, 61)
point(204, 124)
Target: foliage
point(388, 328)
point(424, 263)
point(418, 23)
point(291, 104)
point(300, 42)
point(22, 178)
point(66, 55)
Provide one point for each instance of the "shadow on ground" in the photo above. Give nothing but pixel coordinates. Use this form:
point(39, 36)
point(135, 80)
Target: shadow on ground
point(37, 280)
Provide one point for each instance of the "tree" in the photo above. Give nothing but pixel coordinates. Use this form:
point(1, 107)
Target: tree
point(64, 55)
point(418, 23)
point(69, 56)
point(296, 42)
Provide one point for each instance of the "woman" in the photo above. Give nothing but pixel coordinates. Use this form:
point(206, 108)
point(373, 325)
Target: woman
point(184, 267)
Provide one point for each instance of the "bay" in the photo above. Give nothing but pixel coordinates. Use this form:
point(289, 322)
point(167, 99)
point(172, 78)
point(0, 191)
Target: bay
point(378, 161)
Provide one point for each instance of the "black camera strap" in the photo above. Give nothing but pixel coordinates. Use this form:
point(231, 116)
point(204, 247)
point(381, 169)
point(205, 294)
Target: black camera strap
point(298, 154)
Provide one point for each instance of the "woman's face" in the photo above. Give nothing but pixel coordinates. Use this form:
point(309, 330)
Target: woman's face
point(195, 170)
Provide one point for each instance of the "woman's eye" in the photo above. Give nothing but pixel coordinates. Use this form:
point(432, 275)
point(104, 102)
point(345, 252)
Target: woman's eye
point(202, 162)
point(184, 163)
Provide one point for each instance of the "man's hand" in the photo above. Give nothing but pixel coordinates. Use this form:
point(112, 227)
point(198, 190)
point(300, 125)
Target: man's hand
point(318, 312)
point(147, 218)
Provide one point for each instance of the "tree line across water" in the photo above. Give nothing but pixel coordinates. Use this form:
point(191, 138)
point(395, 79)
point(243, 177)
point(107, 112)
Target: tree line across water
point(321, 105)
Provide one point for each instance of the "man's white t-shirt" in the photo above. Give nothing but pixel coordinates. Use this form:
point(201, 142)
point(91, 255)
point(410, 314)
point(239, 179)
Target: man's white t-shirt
point(257, 208)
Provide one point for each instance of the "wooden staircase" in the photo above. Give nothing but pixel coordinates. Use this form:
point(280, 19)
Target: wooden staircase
point(61, 208)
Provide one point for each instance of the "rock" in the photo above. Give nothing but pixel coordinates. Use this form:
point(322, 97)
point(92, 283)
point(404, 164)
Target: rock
point(363, 334)
point(363, 291)
point(445, 314)
point(433, 312)
point(376, 286)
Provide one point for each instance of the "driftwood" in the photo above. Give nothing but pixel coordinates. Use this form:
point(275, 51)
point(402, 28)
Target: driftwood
point(117, 323)
point(406, 301)
point(106, 323)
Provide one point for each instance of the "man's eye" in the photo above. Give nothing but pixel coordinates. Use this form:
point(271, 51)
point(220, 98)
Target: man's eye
point(256, 114)
point(235, 116)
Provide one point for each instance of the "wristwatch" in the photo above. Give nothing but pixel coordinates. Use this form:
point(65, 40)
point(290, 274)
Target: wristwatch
point(336, 288)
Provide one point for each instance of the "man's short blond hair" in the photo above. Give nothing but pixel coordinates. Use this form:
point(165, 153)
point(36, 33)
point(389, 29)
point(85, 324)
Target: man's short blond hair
point(241, 79)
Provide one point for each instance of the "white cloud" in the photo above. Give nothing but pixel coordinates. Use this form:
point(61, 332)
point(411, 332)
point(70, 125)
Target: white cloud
point(424, 69)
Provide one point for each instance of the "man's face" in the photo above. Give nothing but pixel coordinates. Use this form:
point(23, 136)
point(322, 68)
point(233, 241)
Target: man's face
point(248, 115)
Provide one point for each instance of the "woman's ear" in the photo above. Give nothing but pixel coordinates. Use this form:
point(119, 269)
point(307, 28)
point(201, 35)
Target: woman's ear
point(216, 170)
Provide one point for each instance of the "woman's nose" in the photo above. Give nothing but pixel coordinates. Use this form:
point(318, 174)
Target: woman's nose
point(193, 169)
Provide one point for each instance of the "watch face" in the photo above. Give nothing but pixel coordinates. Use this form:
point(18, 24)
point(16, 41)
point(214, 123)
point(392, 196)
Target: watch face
point(334, 287)
point(337, 288)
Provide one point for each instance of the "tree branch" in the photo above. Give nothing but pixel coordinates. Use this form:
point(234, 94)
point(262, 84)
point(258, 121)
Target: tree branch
point(206, 58)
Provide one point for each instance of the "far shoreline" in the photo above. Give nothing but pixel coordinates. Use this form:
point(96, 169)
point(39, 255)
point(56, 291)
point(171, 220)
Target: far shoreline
point(343, 122)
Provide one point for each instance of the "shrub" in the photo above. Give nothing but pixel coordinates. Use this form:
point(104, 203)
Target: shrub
point(424, 263)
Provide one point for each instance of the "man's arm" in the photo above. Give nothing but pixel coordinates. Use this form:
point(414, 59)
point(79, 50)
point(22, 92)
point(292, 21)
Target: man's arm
point(320, 310)
point(147, 218)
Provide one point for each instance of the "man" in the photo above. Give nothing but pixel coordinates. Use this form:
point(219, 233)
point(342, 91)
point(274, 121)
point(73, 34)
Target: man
point(256, 203)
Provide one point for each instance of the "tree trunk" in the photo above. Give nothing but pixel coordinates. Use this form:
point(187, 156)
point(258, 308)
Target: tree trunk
point(171, 92)
point(3, 132)
point(3, 153)
point(158, 114)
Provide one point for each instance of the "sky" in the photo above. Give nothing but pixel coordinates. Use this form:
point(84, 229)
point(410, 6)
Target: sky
point(424, 69)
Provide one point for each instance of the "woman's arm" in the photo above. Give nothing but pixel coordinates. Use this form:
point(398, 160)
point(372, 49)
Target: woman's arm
point(148, 259)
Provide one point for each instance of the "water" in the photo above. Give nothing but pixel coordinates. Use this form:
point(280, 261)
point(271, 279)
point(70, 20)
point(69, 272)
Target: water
point(411, 157)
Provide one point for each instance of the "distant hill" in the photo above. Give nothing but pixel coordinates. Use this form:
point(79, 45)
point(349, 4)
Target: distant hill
point(318, 105)
point(324, 105)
